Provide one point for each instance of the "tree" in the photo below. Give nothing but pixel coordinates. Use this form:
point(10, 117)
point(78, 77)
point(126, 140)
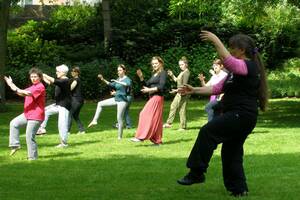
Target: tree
point(106, 23)
point(4, 16)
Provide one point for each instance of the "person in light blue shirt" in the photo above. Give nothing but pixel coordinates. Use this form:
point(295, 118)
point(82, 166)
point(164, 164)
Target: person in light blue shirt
point(120, 86)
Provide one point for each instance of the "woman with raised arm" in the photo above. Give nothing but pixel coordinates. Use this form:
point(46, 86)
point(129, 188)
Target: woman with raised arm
point(218, 74)
point(120, 86)
point(245, 90)
point(33, 115)
point(179, 102)
point(151, 117)
point(62, 105)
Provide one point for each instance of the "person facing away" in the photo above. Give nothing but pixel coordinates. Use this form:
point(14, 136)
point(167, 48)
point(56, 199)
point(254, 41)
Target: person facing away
point(33, 115)
point(62, 105)
point(218, 74)
point(77, 99)
point(180, 101)
point(120, 100)
point(245, 89)
point(150, 126)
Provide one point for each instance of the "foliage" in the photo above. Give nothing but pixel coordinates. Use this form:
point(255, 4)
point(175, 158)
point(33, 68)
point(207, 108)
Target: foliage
point(26, 47)
point(190, 9)
point(285, 82)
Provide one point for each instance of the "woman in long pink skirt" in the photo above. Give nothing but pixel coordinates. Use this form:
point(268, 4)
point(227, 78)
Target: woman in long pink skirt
point(150, 125)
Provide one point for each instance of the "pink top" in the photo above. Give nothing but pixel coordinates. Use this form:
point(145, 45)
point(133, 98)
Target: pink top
point(216, 78)
point(234, 65)
point(34, 105)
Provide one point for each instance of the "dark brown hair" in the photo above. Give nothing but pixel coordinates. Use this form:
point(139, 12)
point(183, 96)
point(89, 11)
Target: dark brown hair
point(246, 43)
point(37, 71)
point(76, 69)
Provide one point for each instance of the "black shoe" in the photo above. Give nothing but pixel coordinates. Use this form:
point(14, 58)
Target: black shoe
point(239, 194)
point(190, 179)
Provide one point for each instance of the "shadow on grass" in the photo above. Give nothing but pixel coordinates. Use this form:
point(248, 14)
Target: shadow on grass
point(60, 155)
point(140, 177)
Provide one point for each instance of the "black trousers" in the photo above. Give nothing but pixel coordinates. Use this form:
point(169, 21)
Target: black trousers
point(75, 110)
point(231, 129)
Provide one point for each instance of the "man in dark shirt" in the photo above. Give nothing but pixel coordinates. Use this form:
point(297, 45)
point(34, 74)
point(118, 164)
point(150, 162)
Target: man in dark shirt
point(62, 104)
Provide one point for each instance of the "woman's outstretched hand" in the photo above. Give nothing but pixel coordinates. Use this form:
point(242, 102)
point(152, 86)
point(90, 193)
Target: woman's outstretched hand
point(186, 89)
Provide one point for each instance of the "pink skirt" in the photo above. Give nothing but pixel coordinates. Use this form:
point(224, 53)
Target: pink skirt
point(151, 120)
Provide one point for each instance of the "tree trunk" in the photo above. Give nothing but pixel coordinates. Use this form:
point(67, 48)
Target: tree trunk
point(4, 16)
point(106, 24)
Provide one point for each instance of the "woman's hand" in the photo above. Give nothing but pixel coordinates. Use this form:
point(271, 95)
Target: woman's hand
point(147, 90)
point(173, 91)
point(139, 73)
point(201, 77)
point(170, 73)
point(100, 77)
point(113, 93)
point(209, 36)
point(8, 80)
point(186, 89)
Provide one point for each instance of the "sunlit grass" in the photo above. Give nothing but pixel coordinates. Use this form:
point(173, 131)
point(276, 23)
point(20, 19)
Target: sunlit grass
point(98, 166)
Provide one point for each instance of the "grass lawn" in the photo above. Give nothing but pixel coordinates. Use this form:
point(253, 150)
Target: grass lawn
point(98, 166)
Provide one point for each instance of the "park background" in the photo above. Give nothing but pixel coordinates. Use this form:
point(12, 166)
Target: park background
point(97, 39)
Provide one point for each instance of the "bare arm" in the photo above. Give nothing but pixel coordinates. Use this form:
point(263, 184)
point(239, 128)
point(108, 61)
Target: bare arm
point(170, 73)
point(73, 85)
point(14, 88)
point(102, 79)
point(48, 79)
point(188, 89)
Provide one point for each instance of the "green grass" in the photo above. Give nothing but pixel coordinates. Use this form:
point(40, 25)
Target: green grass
point(98, 166)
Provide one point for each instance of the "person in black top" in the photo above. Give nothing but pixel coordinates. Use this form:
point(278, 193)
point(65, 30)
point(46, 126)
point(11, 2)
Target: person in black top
point(245, 90)
point(150, 120)
point(62, 105)
point(77, 99)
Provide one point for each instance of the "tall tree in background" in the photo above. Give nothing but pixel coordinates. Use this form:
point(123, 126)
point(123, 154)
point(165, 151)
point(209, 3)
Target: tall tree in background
point(106, 23)
point(4, 16)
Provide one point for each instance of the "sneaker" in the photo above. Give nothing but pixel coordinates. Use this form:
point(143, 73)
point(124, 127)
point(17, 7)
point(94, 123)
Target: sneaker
point(166, 125)
point(14, 150)
point(61, 145)
point(81, 132)
point(190, 179)
point(136, 140)
point(30, 159)
point(181, 129)
point(41, 131)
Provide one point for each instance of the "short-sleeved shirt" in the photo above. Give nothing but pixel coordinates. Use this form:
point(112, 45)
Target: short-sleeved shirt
point(63, 93)
point(122, 91)
point(34, 105)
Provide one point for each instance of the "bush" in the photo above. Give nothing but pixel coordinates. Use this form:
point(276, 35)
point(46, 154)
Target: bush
point(284, 82)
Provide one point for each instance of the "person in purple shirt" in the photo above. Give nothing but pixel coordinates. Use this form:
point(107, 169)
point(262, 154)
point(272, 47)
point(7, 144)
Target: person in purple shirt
point(245, 90)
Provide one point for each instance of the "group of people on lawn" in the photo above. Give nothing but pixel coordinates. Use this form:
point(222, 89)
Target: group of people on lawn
point(237, 91)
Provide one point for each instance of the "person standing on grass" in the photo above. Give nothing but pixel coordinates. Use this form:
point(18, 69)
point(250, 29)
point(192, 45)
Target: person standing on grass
point(77, 99)
point(62, 105)
point(218, 75)
point(179, 101)
point(245, 89)
point(120, 100)
point(34, 113)
point(150, 124)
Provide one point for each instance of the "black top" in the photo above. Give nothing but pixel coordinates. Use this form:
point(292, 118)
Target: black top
point(158, 81)
point(76, 93)
point(241, 92)
point(63, 93)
